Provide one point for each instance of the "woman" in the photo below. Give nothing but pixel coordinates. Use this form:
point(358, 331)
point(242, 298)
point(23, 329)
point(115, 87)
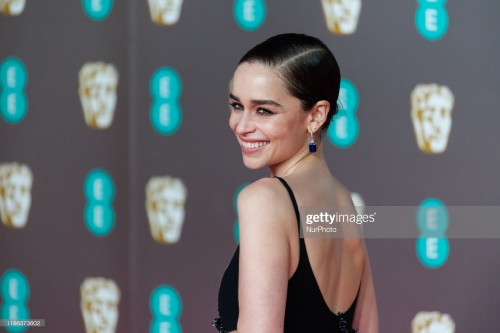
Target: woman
point(283, 96)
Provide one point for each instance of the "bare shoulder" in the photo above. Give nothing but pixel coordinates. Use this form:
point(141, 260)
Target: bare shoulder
point(264, 202)
point(265, 191)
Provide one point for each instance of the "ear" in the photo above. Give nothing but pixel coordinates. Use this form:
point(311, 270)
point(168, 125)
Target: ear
point(318, 115)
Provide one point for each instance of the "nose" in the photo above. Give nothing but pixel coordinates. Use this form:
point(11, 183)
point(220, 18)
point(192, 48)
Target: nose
point(242, 122)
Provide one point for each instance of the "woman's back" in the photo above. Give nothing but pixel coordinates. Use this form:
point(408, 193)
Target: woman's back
point(327, 255)
point(318, 299)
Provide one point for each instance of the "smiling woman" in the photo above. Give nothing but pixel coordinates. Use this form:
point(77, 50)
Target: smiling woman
point(265, 117)
point(283, 96)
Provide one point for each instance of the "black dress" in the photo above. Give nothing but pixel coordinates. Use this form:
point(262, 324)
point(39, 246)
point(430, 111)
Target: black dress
point(306, 310)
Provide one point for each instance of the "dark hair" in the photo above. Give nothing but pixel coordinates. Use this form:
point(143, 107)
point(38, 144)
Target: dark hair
point(306, 66)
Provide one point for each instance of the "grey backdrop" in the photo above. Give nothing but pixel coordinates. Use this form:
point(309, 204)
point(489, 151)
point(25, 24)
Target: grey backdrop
point(386, 58)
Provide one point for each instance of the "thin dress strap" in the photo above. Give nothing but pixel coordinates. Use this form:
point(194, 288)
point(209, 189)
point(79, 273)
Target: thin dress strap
point(292, 197)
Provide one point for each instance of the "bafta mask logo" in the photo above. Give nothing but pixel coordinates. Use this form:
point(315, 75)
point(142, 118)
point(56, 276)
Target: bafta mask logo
point(99, 305)
point(165, 12)
point(165, 199)
point(341, 15)
point(431, 108)
point(98, 83)
point(15, 194)
point(12, 7)
point(432, 322)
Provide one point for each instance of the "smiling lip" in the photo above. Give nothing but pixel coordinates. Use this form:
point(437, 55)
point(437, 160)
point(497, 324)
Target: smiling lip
point(250, 147)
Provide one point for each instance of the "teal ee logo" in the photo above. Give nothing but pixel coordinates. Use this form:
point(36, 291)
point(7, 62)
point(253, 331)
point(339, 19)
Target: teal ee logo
point(166, 88)
point(99, 213)
point(431, 19)
point(249, 14)
point(236, 226)
point(432, 245)
point(165, 304)
point(97, 10)
point(13, 100)
point(344, 129)
point(15, 292)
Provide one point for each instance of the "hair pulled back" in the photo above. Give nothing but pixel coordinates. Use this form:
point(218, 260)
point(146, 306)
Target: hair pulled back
point(306, 66)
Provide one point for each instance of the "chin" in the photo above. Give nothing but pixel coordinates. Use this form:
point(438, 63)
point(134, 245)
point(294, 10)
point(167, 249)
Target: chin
point(253, 165)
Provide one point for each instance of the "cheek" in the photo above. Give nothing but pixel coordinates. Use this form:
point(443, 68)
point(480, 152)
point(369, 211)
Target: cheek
point(285, 134)
point(233, 121)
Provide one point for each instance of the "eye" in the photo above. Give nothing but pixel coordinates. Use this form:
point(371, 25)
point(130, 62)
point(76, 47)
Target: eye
point(264, 112)
point(235, 106)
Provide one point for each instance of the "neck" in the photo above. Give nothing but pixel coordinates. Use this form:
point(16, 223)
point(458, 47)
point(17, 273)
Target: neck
point(290, 166)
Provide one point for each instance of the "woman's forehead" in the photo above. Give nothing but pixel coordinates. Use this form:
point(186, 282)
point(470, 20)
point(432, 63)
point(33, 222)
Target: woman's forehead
point(257, 79)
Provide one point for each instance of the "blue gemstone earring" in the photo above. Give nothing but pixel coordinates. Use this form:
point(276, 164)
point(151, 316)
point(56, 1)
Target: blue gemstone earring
point(312, 144)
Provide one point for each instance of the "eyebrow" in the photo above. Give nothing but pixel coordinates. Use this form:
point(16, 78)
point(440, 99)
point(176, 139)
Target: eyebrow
point(258, 101)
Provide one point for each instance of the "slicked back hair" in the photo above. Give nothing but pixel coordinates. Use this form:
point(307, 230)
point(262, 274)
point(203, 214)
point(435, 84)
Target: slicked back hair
point(306, 66)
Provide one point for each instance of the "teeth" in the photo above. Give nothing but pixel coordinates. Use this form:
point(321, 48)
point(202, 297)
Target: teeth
point(254, 145)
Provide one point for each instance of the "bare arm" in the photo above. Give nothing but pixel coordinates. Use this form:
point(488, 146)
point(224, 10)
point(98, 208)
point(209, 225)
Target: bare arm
point(366, 315)
point(264, 258)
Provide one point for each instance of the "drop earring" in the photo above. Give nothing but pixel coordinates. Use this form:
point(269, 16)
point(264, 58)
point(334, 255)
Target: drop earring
point(312, 144)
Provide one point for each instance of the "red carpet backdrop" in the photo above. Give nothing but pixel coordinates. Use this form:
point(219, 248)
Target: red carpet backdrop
point(119, 174)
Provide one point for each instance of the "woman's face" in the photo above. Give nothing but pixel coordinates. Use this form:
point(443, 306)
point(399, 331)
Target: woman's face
point(268, 122)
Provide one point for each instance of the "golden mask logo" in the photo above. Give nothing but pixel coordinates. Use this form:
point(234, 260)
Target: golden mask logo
point(341, 15)
point(165, 199)
point(12, 7)
point(431, 108)
point(99, 305)
point(15, 194)
point(97, 90)
point(165, 12)
point(432, 322)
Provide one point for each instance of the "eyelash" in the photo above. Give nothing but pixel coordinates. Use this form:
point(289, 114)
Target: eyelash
point(236, 106)
point(264, 112)
point(261, 111)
